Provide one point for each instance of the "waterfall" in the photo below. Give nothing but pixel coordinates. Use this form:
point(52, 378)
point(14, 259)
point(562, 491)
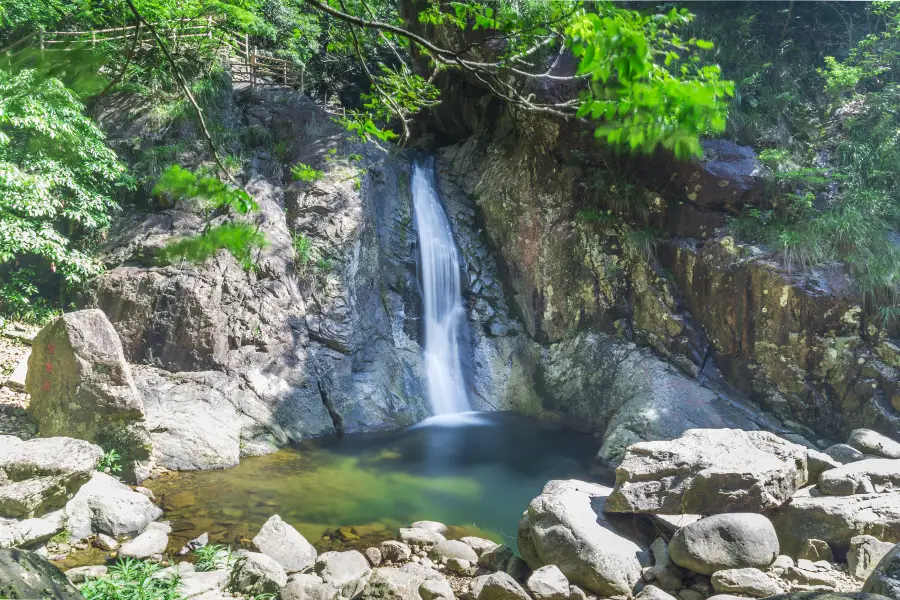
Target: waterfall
point(442, 293)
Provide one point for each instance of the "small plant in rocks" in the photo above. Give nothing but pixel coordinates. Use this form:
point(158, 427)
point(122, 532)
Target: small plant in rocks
point(131, 579)
point(110, 463)
point(213, 557)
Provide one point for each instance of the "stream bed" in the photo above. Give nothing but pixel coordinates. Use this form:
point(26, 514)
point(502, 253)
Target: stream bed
point(475, 472)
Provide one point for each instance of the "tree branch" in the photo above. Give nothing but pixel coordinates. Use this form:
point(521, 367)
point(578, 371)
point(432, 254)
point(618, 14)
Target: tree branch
point(185, 90)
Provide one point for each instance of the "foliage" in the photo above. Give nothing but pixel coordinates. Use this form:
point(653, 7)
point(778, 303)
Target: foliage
point(213, 557)
point(304, 172)
point(834, 183)
point(57, 180)
point(241, 239)
point(20, 299)
point(643, 102)
point(131, 579)
point(302, 248)
point(112, 461)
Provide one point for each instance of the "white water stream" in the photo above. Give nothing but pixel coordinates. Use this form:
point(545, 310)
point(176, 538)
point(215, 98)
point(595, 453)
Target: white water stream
point(442, 293)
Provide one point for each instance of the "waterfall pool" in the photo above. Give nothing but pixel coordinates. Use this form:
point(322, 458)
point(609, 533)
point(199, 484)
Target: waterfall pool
point(476, 472)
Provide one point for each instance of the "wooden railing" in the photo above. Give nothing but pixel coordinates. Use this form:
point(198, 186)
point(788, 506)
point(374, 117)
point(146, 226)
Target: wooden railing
point(246, 63)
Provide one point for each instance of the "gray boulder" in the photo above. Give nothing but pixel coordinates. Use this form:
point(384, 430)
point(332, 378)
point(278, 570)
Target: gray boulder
point(81, 386)
point(729, 541)
point(708, 471)
point(496, 559)
point(548, 583)
point(41, 474)
point(885, 579)
point(479, 545)
point(430, 526)
point(436, 589)
point(817, 463)
point(308, 586)
point(874, 443)
point(864, 555)
point(347, 572)
point(651, 592)
point(448, 549)
point(844, 454)
point(566, 526)
point(153, 541)
point(255, 573)
point(194, 584)
point(835, 520)
point(387, 583)
point(373, 555)
point(862, 477)
point(425, 539)
point(497, 586)
point(750, 582)
point(24, 574)
point(106, 505)
point(31, 531)
point(106, 542)
point(812, 575)
point(395, 551)
point(286, 545)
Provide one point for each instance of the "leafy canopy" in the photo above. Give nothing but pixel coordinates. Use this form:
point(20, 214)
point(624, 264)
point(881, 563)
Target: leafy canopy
point(644, 84)
point(57, 176)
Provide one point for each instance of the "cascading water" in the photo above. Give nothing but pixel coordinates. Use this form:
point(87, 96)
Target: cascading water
point(442, 295)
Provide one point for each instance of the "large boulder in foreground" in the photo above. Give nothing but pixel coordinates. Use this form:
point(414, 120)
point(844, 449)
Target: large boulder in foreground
point(40, 475)
point(81, 387)
point(24, 574)
point(835, 520)
point(106, 505)
point(729, 541)
point(566, 526)
point(885, 580)
point(709, 471)
point(286, 545)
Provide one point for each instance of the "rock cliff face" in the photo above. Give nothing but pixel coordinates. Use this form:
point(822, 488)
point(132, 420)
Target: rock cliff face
point(795, 343)
point(320, 337)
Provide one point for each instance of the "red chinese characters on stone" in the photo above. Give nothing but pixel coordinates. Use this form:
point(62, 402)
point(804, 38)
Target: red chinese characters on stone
point(46, 386)
point(51, 349)
point(48, 368)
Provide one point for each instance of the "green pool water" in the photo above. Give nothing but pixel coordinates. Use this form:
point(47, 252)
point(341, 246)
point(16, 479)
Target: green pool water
point(475, 472)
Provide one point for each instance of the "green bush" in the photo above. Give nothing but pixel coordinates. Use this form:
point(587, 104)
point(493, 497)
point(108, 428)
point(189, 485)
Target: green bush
point(131, 579)
point(57, 181)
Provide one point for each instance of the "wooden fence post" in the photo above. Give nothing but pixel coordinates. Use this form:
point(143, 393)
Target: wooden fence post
point(41, 35)
point(93, 39)
point(253, 68)
point(302, 76)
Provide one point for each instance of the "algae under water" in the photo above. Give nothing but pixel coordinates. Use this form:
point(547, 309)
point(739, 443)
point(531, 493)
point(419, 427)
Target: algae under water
point(476, 472)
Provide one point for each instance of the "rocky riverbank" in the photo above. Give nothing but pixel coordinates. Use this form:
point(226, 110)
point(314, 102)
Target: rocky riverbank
point(711, 513)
